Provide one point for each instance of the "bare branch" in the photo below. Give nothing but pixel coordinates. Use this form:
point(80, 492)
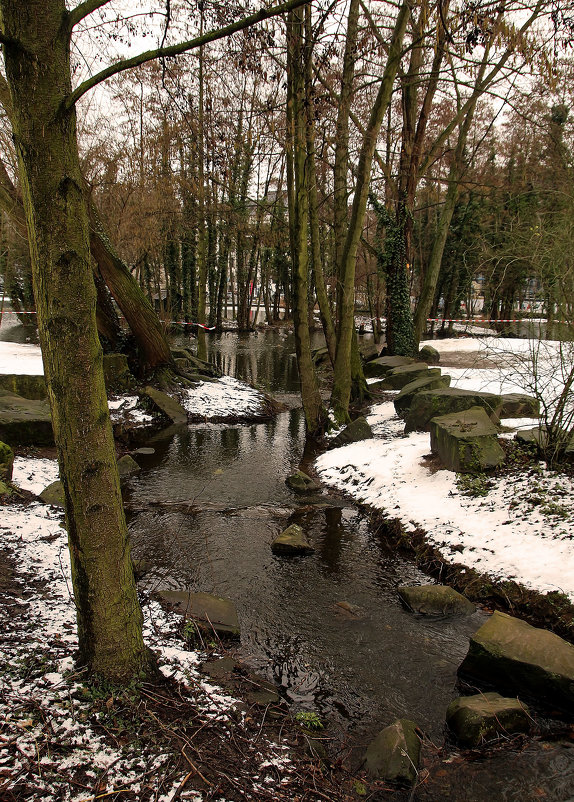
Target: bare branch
point(183, 47)
point(78, 13)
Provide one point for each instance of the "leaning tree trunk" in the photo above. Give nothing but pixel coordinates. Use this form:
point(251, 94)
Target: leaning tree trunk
point(37, 62)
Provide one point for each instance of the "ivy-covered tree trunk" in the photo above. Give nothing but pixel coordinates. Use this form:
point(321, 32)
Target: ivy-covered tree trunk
point(37, 63)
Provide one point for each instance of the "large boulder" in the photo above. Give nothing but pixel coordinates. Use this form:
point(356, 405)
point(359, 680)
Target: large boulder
point(405, 398)
point(369, 351)
point(399, 377)
point(210, 613)
point(27, 386)
point(435, 600)
point(515, 656)
point(291, 542)
point(517, 405)
point(384, 364)
point(299, 482)
point(356, 431)
point(429, 355)
point(117, 375)
point(466, 442)
point(6, 462)
point(168, 405)
point(475, 719)
point(24, 421)
point(429, 404)
point(394, 755)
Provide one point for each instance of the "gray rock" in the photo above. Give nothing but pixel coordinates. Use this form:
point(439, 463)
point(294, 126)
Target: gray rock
point(168, 405)
point(145, 451)
point(127, 466)
point(429, 404)
point(53, 494)
point(117, 375)
point(291, 541)
point(475, 719)
point(24, 421)
point(399, 377)
point(28, 386)
point(534, 436)
point(299, 482)
point(405, 398)
point(356, 431)
point(435, 600)
point(466, 441)
point(211, 613)
point(512, 655)
point(369, 351)
point(384, 364)
point(517, 405)
point(429, 355)
point(394, 755)
point(6, 462)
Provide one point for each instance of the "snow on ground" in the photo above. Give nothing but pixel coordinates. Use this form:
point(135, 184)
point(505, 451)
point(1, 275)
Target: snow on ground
point(522, 529)
point(34, 474)
point(226, 397)
point(21, 358)
point(41, 698)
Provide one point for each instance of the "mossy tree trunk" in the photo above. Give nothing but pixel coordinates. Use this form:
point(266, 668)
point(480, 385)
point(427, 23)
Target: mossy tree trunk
point(37, 62)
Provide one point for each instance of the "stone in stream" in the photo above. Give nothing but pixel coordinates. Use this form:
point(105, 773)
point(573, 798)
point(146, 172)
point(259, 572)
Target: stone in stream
point(6, 461)
point(291, 542)
point(466, 442)
point(405, 398)
point(168, 405)
point(401, 376)
point(429, 404)
point(299, 482)
point(24, 421)
point(475, 719)
point(144, 451)
point(429, 354)
point(356, 431)
point(435, 600)
point(384, 364)
point(394, 755)
point(513, 655)
point(127, 466)
point(211, 613)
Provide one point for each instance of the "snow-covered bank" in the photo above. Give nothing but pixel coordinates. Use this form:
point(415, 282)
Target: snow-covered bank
point(522, 528)
point(225, 398)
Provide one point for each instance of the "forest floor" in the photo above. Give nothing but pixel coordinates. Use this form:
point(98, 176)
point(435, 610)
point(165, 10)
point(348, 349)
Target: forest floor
point(184, 737)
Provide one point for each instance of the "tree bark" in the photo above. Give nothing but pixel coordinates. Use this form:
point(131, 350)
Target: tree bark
point(38, 74)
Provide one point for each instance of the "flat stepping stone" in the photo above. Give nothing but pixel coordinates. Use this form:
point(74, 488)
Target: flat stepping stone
point(435, 600)
point(168, 405)
point(466, 442)
point(144, 452)
point(401, 376)
point(429, 404)
point(513, 655)
point(384, 364)
point(356, 431)
point(405, 398)
point(28, 386)
point(517, 405)
point(475, 719)
point(24, 421)
point(394, 755)
point(211, 613)
point(299, 482)
point(291, 542)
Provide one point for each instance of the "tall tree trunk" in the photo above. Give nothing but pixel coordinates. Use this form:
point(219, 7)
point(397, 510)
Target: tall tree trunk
point(37, 63)
point(298, 197)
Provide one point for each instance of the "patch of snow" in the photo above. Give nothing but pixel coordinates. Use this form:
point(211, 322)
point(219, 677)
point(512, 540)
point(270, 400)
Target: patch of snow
point(21, 359)
point(226, 397)
point(34, 474)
